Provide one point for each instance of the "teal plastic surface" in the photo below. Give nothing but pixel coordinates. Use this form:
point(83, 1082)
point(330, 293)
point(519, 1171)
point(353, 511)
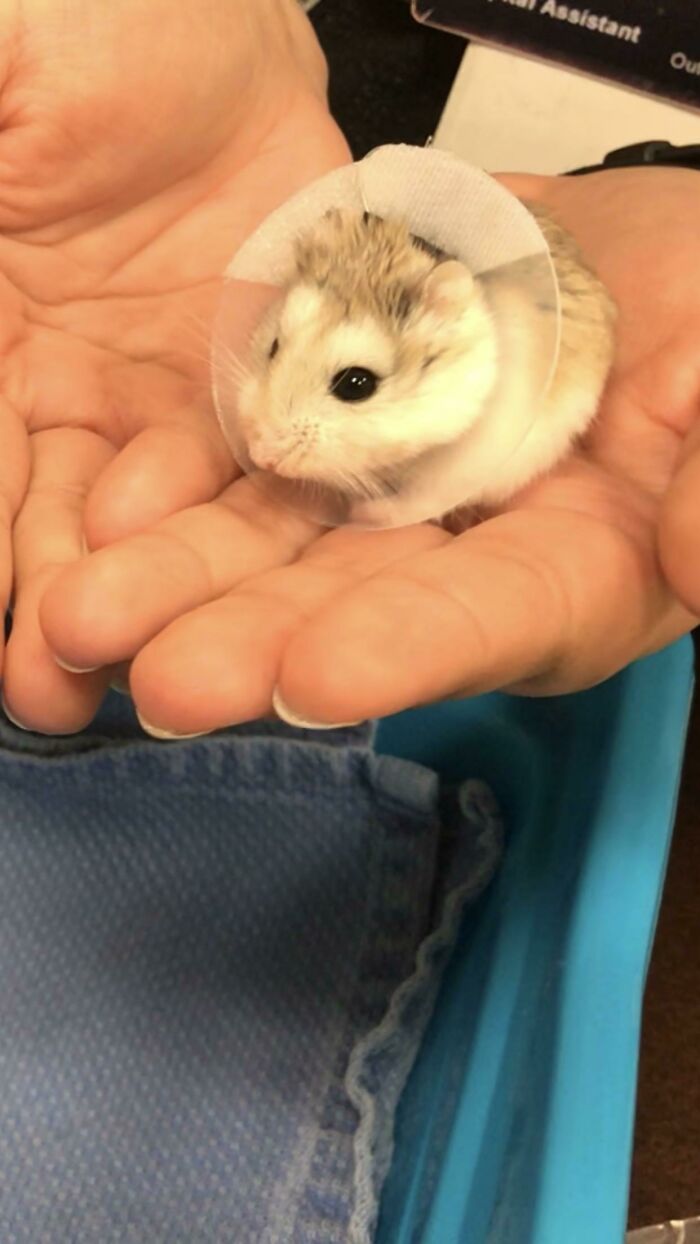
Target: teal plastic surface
point(516, 1125)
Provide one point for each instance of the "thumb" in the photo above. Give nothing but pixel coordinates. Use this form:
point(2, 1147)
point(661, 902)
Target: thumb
point(679, 526)
point(179, 458)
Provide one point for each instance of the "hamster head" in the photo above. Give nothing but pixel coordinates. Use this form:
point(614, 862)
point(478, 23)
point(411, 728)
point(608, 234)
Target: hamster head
point(379, 350)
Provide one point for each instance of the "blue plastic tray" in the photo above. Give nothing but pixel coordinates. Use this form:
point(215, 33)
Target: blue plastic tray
point(516, 1125)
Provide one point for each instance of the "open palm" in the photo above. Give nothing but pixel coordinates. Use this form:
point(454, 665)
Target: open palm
point(220, 604)
point(139, 144)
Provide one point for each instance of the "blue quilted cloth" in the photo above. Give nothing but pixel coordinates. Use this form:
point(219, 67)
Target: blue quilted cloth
point(217, 958)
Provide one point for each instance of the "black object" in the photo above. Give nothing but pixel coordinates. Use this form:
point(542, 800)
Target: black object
point(650, 45)
point(389, 75)
point(653, 152)
point(354, 384)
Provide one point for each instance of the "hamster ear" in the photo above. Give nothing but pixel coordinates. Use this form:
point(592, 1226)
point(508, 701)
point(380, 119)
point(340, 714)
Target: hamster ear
point(448, 288)
point(302, 306)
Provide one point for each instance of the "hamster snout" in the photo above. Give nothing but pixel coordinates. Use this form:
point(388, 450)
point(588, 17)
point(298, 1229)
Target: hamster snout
point(282, 454)
point(265, 457)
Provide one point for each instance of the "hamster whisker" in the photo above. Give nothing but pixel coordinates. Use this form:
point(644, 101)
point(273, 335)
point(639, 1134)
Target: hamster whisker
point(313, 487)
point(202, 328)
point(229, 354)
point(374, 484)
point(197, 356)
point(204, 336)
point(347, 482)
point(389, 481)
point(238, 368)
point(364, 487)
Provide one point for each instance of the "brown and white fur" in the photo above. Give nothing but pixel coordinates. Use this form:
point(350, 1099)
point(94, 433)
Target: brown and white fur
point(458, 415)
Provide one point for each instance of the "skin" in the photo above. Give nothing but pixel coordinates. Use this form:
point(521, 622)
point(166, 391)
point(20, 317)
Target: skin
point(205, 594)
point(116, 220)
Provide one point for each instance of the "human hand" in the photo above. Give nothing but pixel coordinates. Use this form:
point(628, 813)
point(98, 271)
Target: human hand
point(679, 524)
point(139, 144)
point(557, 591)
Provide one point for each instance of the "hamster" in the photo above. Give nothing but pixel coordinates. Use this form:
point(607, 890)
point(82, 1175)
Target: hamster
point(387, 368)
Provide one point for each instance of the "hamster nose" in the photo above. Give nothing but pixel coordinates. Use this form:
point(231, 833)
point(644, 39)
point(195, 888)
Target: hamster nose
point(264, 457)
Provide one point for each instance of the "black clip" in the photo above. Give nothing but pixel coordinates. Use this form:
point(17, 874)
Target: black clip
point(653, 152)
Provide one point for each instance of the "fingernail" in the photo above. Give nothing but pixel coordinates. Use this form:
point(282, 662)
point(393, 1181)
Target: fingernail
point(156, 733)
point(14, 720)
point(291, 718)
point(76, 669)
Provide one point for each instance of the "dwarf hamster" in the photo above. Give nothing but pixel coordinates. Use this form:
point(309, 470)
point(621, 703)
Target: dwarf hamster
point(382, 350)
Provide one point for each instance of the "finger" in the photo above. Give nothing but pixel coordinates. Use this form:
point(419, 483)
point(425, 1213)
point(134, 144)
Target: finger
point(533, 600)
point(181, 459)
point(103, 609)
point(14, 474)
point(48, 534)
point(679, 528)
point(119, 678)
point(163, 470)
point(525, 185)
point(219, 665)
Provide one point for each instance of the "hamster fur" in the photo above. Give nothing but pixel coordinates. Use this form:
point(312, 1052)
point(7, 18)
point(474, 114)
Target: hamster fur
point(440, 354)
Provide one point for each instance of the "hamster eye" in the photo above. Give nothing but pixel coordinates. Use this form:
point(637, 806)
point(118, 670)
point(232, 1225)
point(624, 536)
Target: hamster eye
point(273, 348)
point(354, 384)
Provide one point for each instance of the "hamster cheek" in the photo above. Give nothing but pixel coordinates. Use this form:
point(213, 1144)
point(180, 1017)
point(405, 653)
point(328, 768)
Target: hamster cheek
point(249, 403)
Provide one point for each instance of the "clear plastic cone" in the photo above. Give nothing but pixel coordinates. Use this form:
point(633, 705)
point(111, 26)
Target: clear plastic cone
point(467, 215)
